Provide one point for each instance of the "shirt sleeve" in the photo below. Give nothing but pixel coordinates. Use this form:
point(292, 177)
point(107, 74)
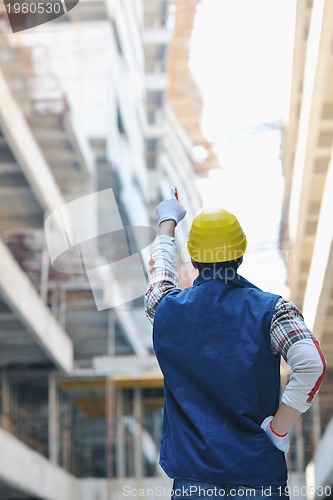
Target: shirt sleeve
point(163, 275)
point(301, 350)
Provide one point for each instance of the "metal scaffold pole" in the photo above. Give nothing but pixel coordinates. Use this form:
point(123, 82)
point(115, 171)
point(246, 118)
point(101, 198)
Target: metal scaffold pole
point(110, 398)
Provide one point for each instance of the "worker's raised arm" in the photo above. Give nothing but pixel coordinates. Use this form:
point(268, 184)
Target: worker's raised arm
point(163, 275)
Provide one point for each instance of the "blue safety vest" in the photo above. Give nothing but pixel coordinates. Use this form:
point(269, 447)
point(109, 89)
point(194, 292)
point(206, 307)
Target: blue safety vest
point(221, 379)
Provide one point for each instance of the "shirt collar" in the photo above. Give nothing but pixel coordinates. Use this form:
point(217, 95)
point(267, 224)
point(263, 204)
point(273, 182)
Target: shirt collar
point(227, 275)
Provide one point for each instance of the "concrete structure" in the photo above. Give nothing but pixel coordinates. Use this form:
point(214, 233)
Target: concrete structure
point(306, 236)
point(84, 109)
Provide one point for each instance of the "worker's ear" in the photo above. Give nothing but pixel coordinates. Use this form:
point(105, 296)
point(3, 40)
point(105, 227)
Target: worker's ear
point(194, 264)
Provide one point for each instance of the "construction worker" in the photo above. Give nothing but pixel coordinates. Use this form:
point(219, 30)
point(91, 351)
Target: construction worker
point(218, 343)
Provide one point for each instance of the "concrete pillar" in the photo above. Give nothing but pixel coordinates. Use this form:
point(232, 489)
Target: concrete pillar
point(66, 441)
point(120, 445)
point(44, 273)
point(299, 445)
point(62, 307)
point(111, 333)
point(316, 422)
point(58, 305)
point(54, 433)
point(5, 401)
point(138, 455)
point(109, 399)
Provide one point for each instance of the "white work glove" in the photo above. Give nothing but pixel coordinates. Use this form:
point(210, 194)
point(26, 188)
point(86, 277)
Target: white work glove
point(281, 442)
point(170, 209)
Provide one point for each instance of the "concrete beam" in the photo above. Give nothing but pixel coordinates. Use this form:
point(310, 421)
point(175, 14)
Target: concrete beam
point(23, 299)
point(31, 473)
point(26, 150)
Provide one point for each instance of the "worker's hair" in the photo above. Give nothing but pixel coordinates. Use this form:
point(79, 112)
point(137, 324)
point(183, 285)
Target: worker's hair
point(219, 266)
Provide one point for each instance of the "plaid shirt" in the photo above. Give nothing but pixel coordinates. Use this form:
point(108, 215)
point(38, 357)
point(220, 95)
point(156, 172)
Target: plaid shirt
point(306, 360)
point(287, 325)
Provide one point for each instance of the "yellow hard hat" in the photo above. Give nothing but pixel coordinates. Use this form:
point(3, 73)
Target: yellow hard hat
point(216, 236)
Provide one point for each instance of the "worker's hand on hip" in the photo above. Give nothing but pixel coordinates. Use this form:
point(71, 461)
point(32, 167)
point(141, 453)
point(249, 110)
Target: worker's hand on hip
point(281, 442)
point(170, 209)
